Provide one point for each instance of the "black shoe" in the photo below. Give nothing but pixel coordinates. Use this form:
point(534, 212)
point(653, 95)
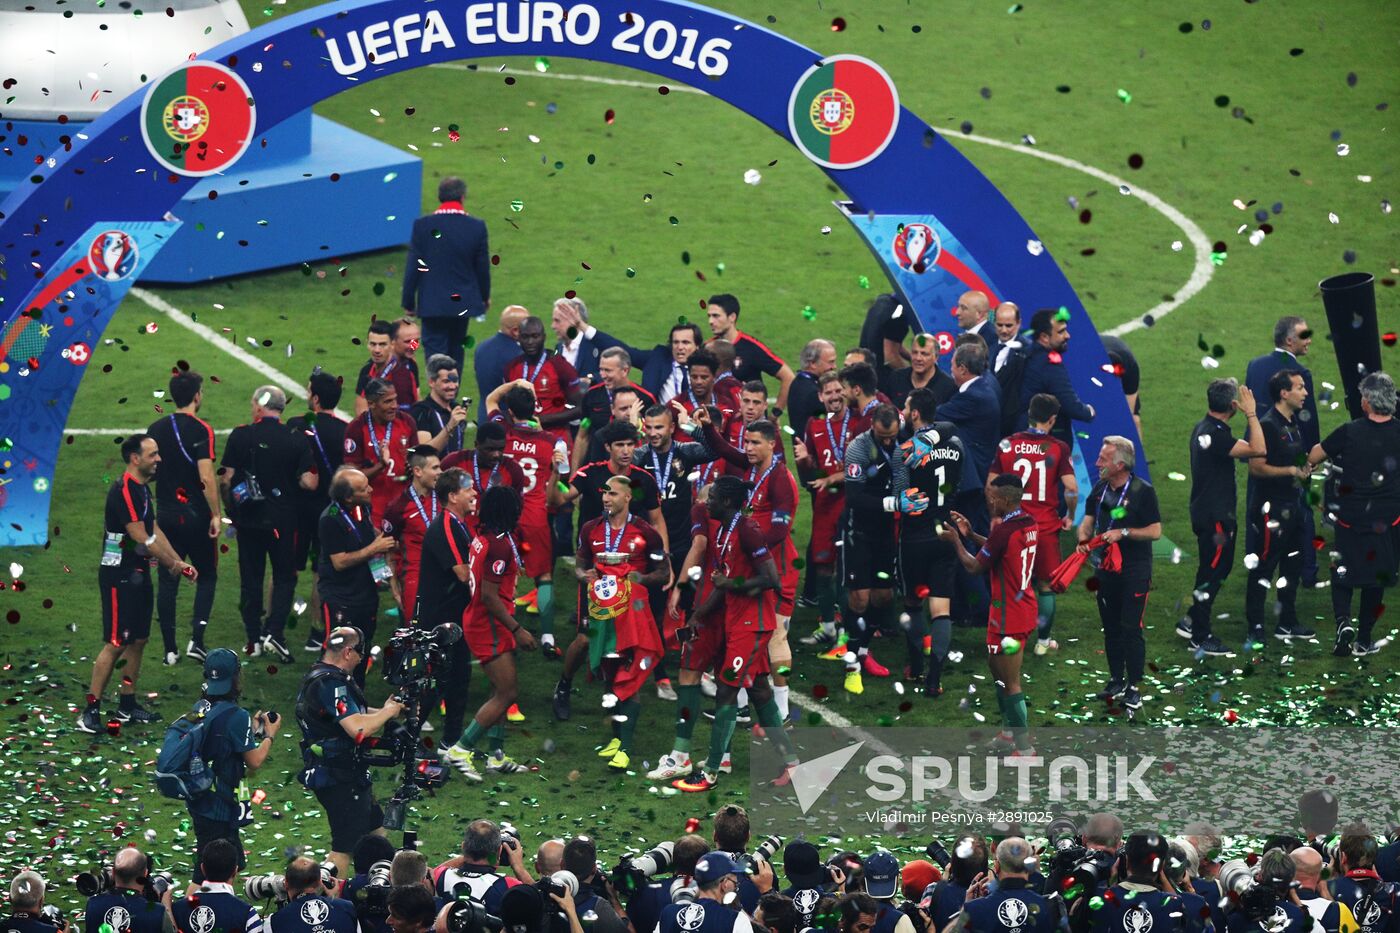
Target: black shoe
point(743, 717)
point(1132, 699)
point(90, 721)
point(1289, 632)
point(138, 714)
point(551, 652)
point(313, 643)
point(196, 650)
point(563, 708)
point(1210, 645)
point(1183, 628)
point(1359, 648)
point(1346, 633)
point(1255, 636)
point(1113, 690)
point(273, 646)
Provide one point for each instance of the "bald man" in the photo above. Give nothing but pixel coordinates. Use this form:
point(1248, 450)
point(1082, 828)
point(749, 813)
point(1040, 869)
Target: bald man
point(974, 311)
point(549, 858)
point(125, 907)
point(493, 354)
point(1328, 916)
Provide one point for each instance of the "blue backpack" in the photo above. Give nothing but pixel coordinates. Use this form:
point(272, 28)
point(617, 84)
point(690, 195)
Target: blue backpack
point(181, 771)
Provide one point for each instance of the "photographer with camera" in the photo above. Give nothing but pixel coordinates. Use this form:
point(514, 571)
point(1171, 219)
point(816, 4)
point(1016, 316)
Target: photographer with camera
point(809, 878)
point(856, 913)
point(715, 907)
point(335, 718)
point(129, 900)
point(27, 902)
point(1014, 904)
point(412, 909)
point(368, 889)
point(1181, 866)
point(1264, 901)
point(310, 907)
point(645, 900)
point(1328, 916)
point(473, 874)
point(1140, 900)
point(967, 865)
point(595, 892)
point(731, 836)
point(1374, 903)
point(881, 876)
point(213, 905)
point(775, 914)
point(1082, 863)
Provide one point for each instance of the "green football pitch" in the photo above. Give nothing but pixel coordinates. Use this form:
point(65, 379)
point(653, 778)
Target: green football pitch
point(1271, 115)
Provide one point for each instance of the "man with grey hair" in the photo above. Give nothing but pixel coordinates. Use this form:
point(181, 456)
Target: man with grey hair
point(614, 368)
point(1328, 916)
point(1121, 514)
point(817, 358)
point(473, 873)
point(410, 867)
point(1014, 904)
point(27, 900)
point(1362, 498)
point(580, 343)
point(440, 417)
point(264, 466)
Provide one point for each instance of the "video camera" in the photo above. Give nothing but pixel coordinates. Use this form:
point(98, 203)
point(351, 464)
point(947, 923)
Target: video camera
point(1076, 871)
point(372, 900)
point(91, 884)
point(415, 654)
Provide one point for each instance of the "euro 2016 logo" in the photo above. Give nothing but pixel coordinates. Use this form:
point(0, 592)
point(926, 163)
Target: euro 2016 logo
point(113, 255)
point(916, 247)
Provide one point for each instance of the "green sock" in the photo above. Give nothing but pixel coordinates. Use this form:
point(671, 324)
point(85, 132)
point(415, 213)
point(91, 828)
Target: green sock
point(1003, 704)
point(544, 598)
point(771, 719)
point(826, 598)
point(720, 735)
point(497, 735)
point(632, 709)
point(1018, 719)
point(471, 734)
point(688, 710)
point(1045, 609)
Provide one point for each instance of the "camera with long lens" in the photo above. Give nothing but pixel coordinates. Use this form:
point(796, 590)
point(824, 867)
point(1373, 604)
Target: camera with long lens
point(157, 883)
point(50, 913)
point(269, 887)
point(763, 853)
point(632, 872)
point(1256, 901)
point(469, 916)
point(93, 883)
point(372, 900)
point(558, 883)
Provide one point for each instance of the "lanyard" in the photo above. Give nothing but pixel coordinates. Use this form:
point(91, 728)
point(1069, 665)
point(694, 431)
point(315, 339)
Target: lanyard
point(705, 471)
point(1104, 495)
point(869, 405)
point(514, 551)
point(531, 374)
point(392, 365)
point(175, 426)
point(662, 477)
point(458, 522)
point(728, 537)
point(611, 546)
point(476, 473)
point(442, 424)
point(838, 450)
point(316, 436)
point(374, 441)
point(350, 523)
point(758, 483)
point(422, 513)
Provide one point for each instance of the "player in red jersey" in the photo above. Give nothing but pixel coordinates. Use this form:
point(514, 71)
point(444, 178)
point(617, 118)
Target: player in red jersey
point(726, 385)
point(745, 584)
point(862, 394)
point(1044, 466)
point(703, 368)
point(390, 361)
point(407, 520)
point(490, 630)
point(772, 504)
point(556, 385)
point(824, 452)
point(377, 443)
point(1008, 553)
point(618, 557)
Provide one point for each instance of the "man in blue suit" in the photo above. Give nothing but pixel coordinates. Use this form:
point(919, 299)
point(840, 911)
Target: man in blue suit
point(447, 273)
point(580, 343)
point(664, 372)
point(974, 316)
point(1045, 372)
point(1291, 340)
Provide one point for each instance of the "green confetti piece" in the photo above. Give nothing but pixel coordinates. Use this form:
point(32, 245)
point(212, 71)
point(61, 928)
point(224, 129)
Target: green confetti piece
point(809, 313)
point(1062, 314)
point(719, 268)
point(542, 65)
point(863, 281)
point(1119, 512)
point(675, 221)
point(469, 342)
point(1124, 96)
point(631, 273)
point(517, 205)
point(379, 288)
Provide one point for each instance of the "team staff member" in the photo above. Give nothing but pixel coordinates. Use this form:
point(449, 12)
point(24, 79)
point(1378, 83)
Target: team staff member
point(1214, 450)
point(334, 718)
point(824, 455)
point(444, 581)
point(187, 503)
point(442, 416)
point(663, 368)
point(447, 272)
point(1366, 506)
point(491, 632)
point(817, 359)
point(752, 360)
point(1043, 463)
point(377, 443)
point(130, 540)
point(231, 747)
point(407, 521)
point(325, 434)
point(399, 371)
point(745, 594)
point(353, 562)
point(1045, 372)
point(1010, 550)
point(616, 552)
point(263, 468)
point(922, 373)
point(1123, 509)
point(555, 384)
point(1276, 510)
point(598, 405)
point(936, 465)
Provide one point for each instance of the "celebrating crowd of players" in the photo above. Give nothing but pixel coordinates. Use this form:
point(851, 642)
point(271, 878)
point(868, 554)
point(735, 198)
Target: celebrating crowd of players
point(937, 498)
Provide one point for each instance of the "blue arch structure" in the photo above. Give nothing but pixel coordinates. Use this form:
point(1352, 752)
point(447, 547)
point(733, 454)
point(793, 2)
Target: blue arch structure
point(62, 283)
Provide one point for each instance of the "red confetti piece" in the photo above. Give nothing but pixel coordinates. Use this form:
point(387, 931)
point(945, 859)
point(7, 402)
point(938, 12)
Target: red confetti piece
point(819, 692)
point(1388, 338)
point(838, 24)
point(610, 116)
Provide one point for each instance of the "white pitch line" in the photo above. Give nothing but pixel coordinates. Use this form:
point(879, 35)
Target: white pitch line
point(832, 718)
point(214, 338)
point(1201, 271)
point(119, 432)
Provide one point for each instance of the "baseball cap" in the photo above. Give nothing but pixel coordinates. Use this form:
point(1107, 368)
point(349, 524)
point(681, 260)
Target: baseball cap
point(802, 864)
point(918, 875)
point(522, 908)
point(881, 875)
point(714, 866)
point(220, 670)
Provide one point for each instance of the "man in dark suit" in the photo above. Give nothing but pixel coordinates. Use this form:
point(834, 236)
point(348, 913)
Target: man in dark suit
point(1045, 372)
point(1008, 362)
point(1292, 337)
point(663, 367)
point(580, 343)
point(974, 316)
point(491, 356)
point(447, 274)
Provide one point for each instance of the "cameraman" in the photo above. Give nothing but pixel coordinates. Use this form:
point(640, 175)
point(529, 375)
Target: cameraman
point(1014, 903)
point(309, 908)
point(717, 876)
point(214, 906)
point(1328, 915)
point(130, 906)
point(810, 879)
point(240, 742)
point(1139, 901)
point(881, 872)
point(1181, 865)
point(473, 873)
point(27, 901)
point(731, 835)
point(1375, 904)
point(1274, 875)
point(968, 864)
point(412, 909)
point(595, 893)
point(644, 906)
point(370, 849)
point(1101, 837)
point(334, 718)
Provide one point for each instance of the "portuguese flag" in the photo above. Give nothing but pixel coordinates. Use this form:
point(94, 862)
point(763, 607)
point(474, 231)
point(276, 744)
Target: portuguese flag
point(198, 119)
point(844, 112)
